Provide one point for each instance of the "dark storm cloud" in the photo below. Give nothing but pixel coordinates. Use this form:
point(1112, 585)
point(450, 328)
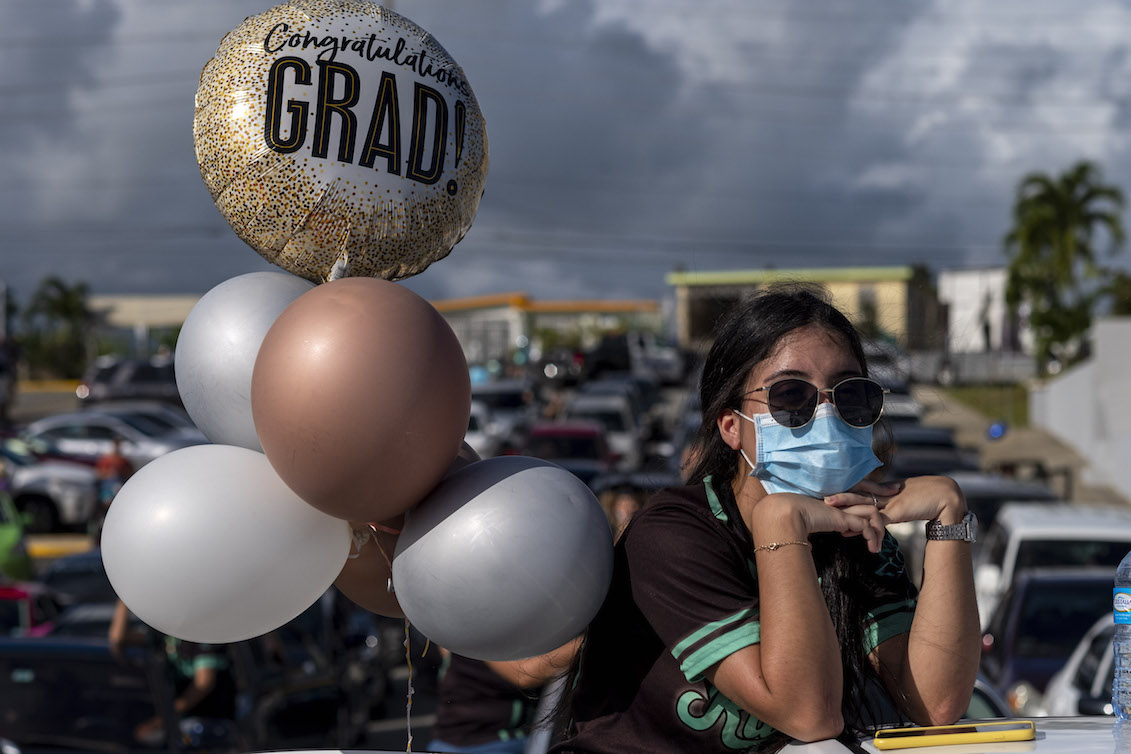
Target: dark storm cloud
point(626, 138)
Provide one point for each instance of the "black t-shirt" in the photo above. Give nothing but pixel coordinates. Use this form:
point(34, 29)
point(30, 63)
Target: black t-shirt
point(475, 705)
point(684, 596)
point(184, 658)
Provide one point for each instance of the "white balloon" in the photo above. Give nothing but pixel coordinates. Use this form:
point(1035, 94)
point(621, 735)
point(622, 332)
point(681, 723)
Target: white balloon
point(216, 351)
point(207, 544)
point(509, 557)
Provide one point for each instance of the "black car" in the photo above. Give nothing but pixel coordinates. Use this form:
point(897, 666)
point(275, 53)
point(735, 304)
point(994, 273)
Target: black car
point(1039, 622)
point(114, 379)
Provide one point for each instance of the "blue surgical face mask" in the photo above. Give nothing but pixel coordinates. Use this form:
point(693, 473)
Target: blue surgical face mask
point(822, 458)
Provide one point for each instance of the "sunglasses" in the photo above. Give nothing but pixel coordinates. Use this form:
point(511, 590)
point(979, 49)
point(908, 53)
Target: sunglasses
point(793, 402)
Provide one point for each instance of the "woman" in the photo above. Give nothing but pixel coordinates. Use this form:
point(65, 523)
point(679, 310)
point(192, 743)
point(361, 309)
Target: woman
point(765, 601)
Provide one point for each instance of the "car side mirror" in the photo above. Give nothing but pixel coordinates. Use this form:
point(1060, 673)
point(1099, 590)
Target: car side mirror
point(1094, 705)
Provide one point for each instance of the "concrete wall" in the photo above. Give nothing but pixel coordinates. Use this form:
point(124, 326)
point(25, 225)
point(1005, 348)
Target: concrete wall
point(1089, 407)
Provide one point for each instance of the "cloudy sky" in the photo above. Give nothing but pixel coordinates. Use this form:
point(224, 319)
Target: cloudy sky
point(627, 137)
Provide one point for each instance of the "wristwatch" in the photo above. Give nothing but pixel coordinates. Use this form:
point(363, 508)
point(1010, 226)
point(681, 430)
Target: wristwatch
point(966, 530)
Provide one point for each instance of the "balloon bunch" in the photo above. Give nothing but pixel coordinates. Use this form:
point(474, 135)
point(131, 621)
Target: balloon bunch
point(343, 144)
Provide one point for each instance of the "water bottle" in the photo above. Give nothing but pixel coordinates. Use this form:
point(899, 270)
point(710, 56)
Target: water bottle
point(1121, 608)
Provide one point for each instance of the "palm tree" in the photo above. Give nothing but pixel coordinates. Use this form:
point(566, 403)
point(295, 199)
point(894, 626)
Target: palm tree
point(1053, 265)
point(58, 327)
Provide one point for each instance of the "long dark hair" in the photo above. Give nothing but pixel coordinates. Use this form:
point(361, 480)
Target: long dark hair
point(747, 335)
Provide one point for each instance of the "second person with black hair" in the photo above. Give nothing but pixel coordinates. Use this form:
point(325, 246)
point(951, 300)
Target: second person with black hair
point(765, 601)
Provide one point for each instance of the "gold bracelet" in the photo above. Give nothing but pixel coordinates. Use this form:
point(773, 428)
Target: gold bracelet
point(775, 545)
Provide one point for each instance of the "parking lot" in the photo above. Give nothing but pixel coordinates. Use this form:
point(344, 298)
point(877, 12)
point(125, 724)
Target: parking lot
point(613, 435)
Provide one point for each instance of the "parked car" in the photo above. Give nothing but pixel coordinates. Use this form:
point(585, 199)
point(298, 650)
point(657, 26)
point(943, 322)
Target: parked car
point(175, 420)
point(315, 681)
point(1047, 535)
point(561, 366)
point(69, 694)
point(48, 493)
point(985, 493)
point(80, 578)
point(113, 378)
point(622, 426)
point(918, 450)
point(91, 433)
point(581, 447)
point(1037, 624)
point(513, 404)
point(27, 608)
point(15, 563)
point(480, 433)
point(642, 392)
point(1083, 685)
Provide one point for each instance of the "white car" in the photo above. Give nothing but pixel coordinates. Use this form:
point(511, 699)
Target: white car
point(1083, 685)
point(481, 434)
point(1047, 535)
point(48, 493)
point(89, 434)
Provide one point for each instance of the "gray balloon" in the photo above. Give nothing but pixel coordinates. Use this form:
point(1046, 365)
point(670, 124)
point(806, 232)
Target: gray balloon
point(509, 557)
point(217, 347)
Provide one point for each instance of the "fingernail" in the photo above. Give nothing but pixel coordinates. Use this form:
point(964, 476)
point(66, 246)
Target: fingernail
point(830, 499)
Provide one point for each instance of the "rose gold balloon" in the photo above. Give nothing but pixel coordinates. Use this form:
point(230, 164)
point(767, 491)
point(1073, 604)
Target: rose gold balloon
point(360, 397)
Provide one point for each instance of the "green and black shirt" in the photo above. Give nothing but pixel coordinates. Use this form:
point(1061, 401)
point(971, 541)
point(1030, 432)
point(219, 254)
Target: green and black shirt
point(684, 596)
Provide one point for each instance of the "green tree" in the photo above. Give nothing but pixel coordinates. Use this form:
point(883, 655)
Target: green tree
point(58, 329)
point(1058, 222)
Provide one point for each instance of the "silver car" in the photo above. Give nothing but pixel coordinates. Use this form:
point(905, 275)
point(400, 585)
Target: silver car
point(48, 493)
point(86, 435)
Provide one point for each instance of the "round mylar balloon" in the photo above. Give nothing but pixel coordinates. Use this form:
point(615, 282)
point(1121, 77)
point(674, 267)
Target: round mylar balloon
point(340, 139)
point(207, 544)
point(507, 558)
point(216, 351)
point(360, 396)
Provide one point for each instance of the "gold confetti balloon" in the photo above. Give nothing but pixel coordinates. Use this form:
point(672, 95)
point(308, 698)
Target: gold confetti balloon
point(340, 139)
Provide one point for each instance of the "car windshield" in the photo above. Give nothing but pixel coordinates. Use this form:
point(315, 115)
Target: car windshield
point(564, 447)
point(501, 399)
point(1039, 553)
point(11, 616)
point(613, 420)
point(1053, 617)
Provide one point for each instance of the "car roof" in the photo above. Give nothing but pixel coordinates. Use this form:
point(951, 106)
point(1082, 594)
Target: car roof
point(985, 483)
point(597, 400)
point(572, 428)
point(1066, 520)
point(1065, 574)
point(502, 386)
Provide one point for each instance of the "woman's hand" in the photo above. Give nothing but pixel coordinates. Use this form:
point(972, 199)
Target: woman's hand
point(920, 498)
point(785, 517)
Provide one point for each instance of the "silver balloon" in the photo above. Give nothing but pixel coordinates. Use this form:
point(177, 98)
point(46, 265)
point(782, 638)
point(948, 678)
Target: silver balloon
point(216, 351)
point(509, 557)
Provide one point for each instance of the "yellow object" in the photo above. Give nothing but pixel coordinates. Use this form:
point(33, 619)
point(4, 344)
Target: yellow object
point(943, 735)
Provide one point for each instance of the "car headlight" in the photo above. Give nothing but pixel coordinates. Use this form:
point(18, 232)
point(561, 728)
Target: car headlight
point(1023, 698)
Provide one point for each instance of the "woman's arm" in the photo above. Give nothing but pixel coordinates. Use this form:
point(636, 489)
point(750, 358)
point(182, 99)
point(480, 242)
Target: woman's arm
point(932, 669)
point(533, 672)
point(792, 679)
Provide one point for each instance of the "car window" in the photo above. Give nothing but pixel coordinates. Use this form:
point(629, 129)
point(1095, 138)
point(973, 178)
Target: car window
point(1090, 662)
point(143, 424)
point(97, 432)
point(565, 447)
point(1034, 553)
point(11, 616)
point(472, 423)
point(613, 420)
point(1053, 617)
point(502, 399)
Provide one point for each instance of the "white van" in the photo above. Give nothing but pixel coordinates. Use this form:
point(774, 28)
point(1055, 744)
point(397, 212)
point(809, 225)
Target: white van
point(1046, 535)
